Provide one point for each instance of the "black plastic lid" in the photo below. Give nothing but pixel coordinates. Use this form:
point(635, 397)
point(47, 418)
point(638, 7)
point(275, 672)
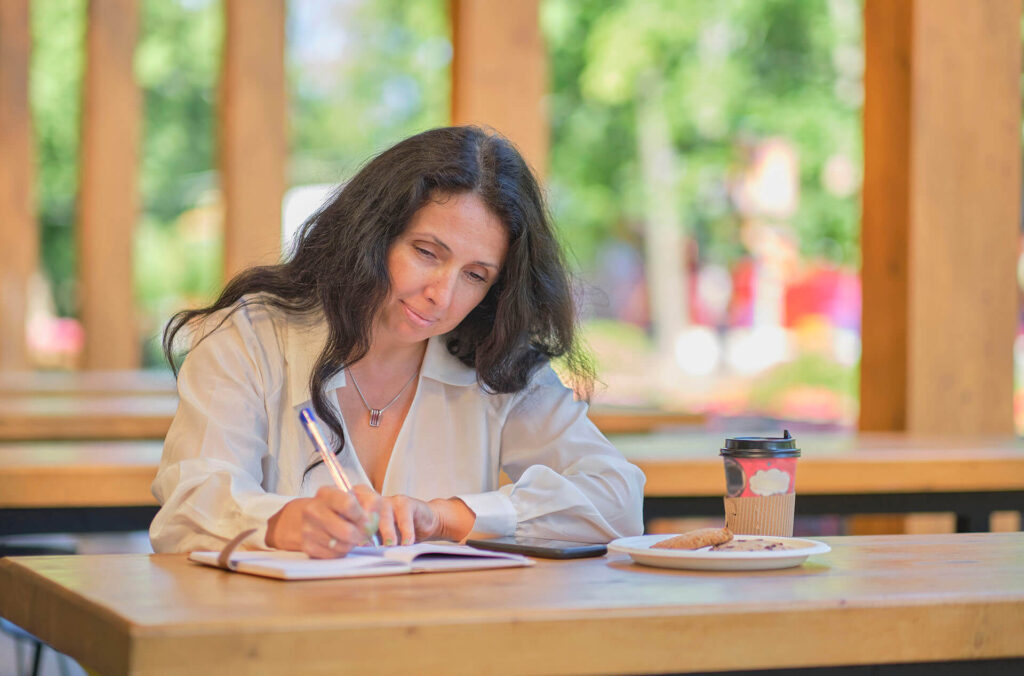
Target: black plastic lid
point(761, 447)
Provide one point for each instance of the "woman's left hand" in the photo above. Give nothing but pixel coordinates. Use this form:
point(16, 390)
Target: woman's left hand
point(405, 520)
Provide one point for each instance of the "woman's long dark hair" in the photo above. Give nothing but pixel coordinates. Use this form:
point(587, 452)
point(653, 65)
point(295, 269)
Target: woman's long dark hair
point(339, 265)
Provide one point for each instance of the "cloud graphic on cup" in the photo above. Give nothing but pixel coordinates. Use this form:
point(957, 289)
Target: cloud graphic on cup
point(769, 482)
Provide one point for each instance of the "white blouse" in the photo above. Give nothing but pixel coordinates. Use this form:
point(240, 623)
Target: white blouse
point(236, 453)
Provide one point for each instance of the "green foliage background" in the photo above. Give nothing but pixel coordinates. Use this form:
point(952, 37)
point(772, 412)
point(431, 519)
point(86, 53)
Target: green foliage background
point(381, 76)
point(391, 81)
point(731, 71)
point(55, 80)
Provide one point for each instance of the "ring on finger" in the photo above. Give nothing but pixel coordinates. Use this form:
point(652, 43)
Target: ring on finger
point(332, 543)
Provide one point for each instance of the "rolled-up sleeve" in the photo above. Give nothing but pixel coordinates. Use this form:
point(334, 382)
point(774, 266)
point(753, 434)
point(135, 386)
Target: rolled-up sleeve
point(568, 481)
point(210, 478)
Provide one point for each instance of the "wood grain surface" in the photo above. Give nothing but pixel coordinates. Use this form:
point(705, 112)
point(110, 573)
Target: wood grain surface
point(111, 472)
point(108, 203)
point(689, 465)
point(86, 417)
point(127, 382)
point(127, 405)
point(252, 132)
point(619, 420)
point(19, 255)
point(941, 215)
point(871, 600)
point(78, 474)
point(499, 73)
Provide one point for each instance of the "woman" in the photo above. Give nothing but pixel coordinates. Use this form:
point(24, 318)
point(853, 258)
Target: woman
point(417, 315)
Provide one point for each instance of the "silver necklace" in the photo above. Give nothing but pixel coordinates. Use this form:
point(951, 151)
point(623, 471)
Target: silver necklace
point(375, 413)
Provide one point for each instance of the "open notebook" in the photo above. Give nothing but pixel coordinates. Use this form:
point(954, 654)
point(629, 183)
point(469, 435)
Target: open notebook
point(426, 557)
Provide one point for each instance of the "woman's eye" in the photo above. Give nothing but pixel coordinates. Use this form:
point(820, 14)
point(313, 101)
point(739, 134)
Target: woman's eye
point(476, 278)
point(426, 253)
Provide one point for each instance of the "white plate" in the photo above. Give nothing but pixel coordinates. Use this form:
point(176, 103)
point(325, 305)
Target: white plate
point(639, 548)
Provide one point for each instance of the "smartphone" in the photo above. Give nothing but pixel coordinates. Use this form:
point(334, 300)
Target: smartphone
point(541, 547)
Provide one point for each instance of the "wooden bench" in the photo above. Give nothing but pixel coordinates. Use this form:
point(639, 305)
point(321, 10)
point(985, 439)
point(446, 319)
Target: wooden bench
point(86, 405)
point(41, 405)
point(86, 416)
point(77, 487)
point(83, 383)
point(838, 474)
point(630, 420)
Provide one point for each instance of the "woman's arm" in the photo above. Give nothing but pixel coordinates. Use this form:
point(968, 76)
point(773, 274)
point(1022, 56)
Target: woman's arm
point(568, 481)
point(210, 478)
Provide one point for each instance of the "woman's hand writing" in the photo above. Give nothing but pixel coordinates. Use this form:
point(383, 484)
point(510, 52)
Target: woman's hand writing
point(327, 525)
point(332, 522)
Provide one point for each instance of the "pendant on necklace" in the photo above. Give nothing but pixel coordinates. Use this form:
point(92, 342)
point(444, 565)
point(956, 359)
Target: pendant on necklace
point(375, 417)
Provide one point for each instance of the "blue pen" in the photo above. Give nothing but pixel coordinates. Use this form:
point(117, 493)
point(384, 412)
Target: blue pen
point(308, 420)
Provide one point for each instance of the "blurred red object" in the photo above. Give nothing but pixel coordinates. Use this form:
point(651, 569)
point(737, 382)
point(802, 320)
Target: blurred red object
point(827, 291)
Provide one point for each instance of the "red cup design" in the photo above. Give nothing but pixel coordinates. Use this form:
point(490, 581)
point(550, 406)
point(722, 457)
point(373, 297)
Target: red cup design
point(759, 477)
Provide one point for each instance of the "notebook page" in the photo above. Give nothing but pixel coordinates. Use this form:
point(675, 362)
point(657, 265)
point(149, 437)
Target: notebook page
point(297, 566)
point(435, 556)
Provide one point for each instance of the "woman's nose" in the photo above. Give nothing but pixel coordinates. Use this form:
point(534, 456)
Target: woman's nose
point(440, 290)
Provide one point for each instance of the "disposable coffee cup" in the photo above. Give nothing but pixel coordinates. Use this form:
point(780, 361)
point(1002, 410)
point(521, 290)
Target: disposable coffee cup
point(760, 484)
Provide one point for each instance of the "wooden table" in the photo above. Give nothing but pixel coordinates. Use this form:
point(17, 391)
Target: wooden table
point(630, 420)
point(872, 600)
point(844, 474)
point(78, 383)
point(74, 487)
point(49, 485)
point(86, 416)
point(78, 474)
point(45, 405)
point(80, 413)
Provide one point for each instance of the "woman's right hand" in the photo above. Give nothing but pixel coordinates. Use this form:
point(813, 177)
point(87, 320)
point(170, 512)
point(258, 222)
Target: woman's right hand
point(327, 525)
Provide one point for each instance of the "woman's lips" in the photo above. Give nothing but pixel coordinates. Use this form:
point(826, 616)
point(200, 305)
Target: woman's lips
point(417, 318)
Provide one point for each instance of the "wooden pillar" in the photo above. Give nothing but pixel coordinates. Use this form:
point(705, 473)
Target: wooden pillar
point(253, 145)
point(941, 223)
point(20, 250)
point(499, 72)
point(108, 204)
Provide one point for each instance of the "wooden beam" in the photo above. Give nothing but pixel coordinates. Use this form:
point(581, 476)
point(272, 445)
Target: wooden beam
point(108, 202)
point(252, 129)
point(941, 219)
point(499, 72)
point(20, 250)
point(885, 219)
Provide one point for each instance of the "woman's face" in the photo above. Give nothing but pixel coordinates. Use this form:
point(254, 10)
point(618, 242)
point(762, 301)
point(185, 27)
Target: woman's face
point(441, 267)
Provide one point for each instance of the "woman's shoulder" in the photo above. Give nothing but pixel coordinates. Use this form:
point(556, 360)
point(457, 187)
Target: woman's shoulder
point(251, 309)
point(249, 336)
point(543, 389)
point(440, 364)
point(544, 383)
point(252, 318)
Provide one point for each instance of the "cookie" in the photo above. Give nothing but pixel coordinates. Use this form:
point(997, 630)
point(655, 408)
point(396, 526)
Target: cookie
point(695, 539)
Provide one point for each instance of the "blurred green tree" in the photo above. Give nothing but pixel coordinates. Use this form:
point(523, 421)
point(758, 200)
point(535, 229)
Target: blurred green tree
point(729, 72)
point(176, 66)
point(363, 76)
point(55, 76)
